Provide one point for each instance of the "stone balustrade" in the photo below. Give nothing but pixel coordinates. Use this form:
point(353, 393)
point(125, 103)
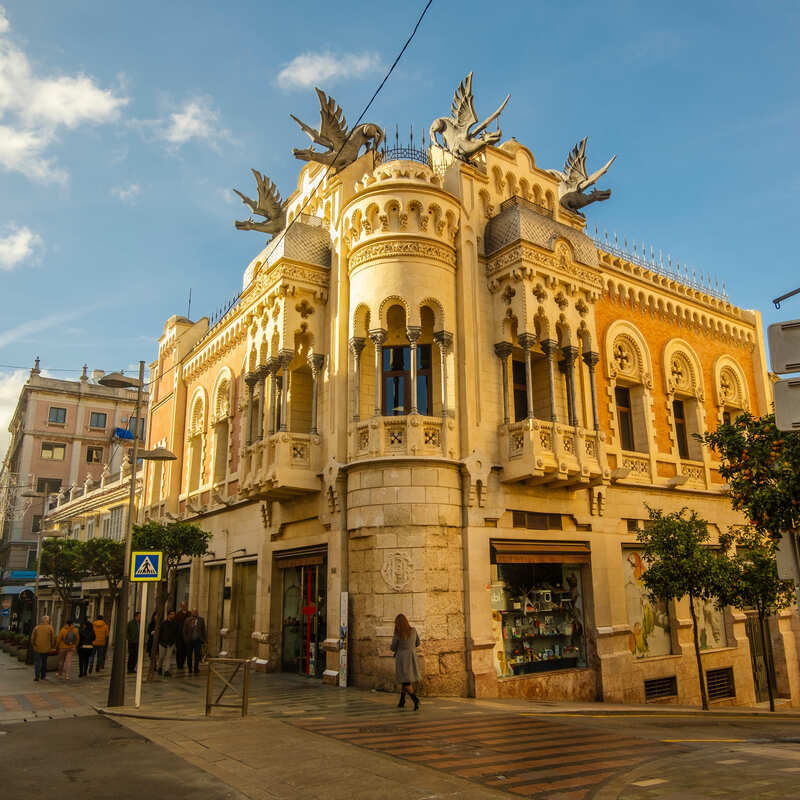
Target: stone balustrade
point(410, 435)
point(282, 465)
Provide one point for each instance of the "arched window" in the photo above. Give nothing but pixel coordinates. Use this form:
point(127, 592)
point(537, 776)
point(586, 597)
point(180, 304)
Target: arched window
point(683, 381)
point(396, 368)
point(222, 404)
point(730, 388)
point(197, 424)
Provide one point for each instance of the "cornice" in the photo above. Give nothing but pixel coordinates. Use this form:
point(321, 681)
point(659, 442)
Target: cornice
point(402, 248)
point(530, 256)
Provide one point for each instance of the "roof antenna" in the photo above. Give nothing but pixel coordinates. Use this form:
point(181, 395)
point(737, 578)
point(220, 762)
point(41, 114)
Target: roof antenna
point(189, 309)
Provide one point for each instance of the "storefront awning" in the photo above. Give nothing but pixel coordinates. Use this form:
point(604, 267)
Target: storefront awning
point(305, 557)
point(15, 589)
point(517, 552)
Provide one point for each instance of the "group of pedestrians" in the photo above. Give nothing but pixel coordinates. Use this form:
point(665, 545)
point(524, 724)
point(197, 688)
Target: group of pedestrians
point(89, 639)
point(181, 637)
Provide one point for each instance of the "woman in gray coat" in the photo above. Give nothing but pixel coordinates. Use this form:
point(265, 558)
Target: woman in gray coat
point(404, 643)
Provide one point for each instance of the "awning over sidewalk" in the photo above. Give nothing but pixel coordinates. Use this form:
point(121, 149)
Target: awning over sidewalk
point(15, 589)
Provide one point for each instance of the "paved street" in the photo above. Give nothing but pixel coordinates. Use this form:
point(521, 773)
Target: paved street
point(302, 739)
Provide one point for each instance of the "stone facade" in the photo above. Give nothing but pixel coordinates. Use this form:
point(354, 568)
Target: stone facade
point(436, 375)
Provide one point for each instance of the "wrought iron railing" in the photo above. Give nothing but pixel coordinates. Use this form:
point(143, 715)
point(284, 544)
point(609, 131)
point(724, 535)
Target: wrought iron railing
point(220, 315)
point(403, 153)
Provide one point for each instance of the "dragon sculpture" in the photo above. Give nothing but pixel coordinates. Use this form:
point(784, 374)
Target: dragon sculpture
point(342, 146)
point(269, 205)
point(458, 131)
point(574, 180)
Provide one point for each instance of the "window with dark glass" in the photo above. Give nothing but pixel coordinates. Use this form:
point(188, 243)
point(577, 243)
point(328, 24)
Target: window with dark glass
point(94, 455)
point(48, 485)
point(57, 415)
point(37, 523)
point(520, 390)
point(679, 414)
point(622, 395)
point(397, 380)
point(97, 419)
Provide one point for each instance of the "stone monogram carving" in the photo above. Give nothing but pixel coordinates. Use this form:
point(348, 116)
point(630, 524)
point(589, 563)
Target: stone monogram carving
point(396, 569)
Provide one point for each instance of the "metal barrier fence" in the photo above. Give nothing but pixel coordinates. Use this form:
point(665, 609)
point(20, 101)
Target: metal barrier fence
point(239, 665)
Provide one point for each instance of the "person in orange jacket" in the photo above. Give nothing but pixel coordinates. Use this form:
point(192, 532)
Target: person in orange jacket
point(98, 655)
point(66, 644)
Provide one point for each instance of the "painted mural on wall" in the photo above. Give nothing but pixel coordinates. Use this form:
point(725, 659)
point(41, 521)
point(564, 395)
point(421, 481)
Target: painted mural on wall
point(650, 630)
point(710, 625)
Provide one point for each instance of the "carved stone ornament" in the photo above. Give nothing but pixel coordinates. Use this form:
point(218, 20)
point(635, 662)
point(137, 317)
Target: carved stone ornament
point(624, 357)
point(269, 206)
point(397, 568)
point(400, 249)
point(458, 131)
point(342, 147)
point(574, 180)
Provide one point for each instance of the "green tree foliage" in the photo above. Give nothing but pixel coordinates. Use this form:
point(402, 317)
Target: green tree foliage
point(106, 557)
point(680, 564)
point(751, 581)
point(176, 540)
point(62, 561)
point(762, 467)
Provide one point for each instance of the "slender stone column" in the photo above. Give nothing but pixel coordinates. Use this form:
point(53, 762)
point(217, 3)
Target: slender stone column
point(378, 337)
point(251, 379)
point(549, 347)
point(273, 364)
point(356, 346)
point(315, 362)
point(285, 357)
point(567, 367)
point(445, 341)
point(262, 373)
point(413, 332)
point(526, 341)
point(590, 359)
point(503, 351)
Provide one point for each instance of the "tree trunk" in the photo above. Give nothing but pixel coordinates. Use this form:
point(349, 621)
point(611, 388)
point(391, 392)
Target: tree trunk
point(703, 695)
point(767, 659)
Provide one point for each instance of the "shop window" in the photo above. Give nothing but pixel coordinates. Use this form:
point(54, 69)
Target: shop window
point(622, 395)
point(97, 419)
point(679, 415)
point(520, 390)
point(534, 521)
point(94, 455)
point(397, 380)
point(649, 621)
point(57, 416)
point(52, 451)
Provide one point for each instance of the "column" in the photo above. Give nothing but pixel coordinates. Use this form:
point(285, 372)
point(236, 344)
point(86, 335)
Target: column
point(413, 332)
point(356, 346)
point(273, 365)
point(566, 366)
point(262, 373)
point(591, 359)
point(445, 341)
point(503, 351)
point(526, 341)
point(285, 357)
point(251, 379)
point(315, 362)
point(549, 347)
point(378, 337)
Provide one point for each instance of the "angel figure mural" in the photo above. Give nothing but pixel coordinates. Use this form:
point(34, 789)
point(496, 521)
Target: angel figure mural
point(460, 133)
point(574, 180)
point(268, 205)
point(342, 147)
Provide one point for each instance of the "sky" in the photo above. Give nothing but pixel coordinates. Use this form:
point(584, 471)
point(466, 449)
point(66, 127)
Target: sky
point(123, 129)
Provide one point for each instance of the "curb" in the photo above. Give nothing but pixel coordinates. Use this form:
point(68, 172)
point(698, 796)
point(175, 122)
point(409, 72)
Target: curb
point(159, 717)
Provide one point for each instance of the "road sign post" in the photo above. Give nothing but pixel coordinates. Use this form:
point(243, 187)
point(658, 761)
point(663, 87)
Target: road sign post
point(146, 567)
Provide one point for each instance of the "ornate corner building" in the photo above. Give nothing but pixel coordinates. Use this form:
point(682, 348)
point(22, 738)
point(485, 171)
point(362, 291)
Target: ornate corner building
point(437, 395)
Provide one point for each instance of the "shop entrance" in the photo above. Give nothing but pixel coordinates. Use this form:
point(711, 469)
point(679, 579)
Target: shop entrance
point(216, 589)
point(244, 607)
point(303, 622)
point(758, 657)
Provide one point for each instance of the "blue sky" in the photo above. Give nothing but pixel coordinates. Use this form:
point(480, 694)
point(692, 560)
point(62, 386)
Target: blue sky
point(123, 129)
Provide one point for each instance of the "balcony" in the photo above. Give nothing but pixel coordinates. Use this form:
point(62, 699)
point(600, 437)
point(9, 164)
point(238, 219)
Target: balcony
point(542, 452)
point(280, 466)
point(412, 435)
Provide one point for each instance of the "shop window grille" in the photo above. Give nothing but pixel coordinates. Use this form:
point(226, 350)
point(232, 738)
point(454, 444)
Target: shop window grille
point(660, 688)
point(719, 683)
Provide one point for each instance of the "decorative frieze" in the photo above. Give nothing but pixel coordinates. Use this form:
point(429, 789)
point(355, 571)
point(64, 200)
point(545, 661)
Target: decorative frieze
point(402, 248)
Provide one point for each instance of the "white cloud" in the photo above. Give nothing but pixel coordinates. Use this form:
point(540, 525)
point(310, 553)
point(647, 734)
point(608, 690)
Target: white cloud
point(34, 108)
point(312, 69)
point(127, 194)
point(30, 328)
point(196, 119)
point(11, 384)
point(21, 244)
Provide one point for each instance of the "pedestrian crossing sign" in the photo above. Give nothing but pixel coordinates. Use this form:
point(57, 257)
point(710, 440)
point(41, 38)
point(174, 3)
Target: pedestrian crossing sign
point(146, 565)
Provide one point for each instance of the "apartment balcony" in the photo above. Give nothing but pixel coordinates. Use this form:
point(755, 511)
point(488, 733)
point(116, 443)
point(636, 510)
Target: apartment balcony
point(542, 452)
point(412, 435)
point(280, 466)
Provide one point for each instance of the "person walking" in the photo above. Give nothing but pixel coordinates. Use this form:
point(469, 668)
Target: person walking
point(167, 634)
point(132, 635)
point(85, 647)
point(66, 644)
point(98, 657)
point(404, 644)
point(180, 645)
point(194, 636)
point(43, 642)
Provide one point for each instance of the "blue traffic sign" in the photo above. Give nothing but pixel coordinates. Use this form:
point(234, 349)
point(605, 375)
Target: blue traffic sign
point(146, 565)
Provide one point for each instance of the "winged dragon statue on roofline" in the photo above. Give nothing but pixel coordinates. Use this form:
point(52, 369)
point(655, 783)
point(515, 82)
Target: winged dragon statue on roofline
point(269, 206)
point(574, 180)
point(342, 147)
point(458, 131)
